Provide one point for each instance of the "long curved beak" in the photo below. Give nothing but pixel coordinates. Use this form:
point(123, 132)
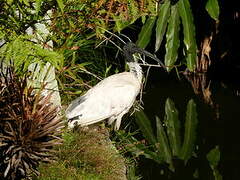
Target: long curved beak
point(146, 53)
point(131, 48)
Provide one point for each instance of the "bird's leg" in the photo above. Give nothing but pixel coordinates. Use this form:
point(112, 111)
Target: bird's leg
point(111, 119)
point(119, 119)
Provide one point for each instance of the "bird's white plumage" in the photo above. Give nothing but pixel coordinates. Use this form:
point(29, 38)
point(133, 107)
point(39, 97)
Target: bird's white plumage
point(109, 99)
point(112, 97)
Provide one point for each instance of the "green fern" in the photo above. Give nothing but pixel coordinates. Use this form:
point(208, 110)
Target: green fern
point(23, 52)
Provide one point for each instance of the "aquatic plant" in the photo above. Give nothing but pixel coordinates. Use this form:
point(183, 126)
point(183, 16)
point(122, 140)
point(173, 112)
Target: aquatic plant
point(167, 144)
point(213, 158)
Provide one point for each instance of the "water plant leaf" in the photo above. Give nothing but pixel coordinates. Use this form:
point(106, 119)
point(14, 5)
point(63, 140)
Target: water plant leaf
point(162, 145)
point(213, 158)
point(153, 155)
point(212, 8)
point(190, 131)
point(189, 39)
point(173, 126)
point(172, 37)
point(144, 36)
point(138, 148)
point(145, 126)
point(143, 150)
point(163, 15)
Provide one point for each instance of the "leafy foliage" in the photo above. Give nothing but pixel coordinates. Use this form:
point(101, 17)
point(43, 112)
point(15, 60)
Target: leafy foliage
point(74, 23)
point(168, 23)
point(23, 52)
point(171, 18)
point(146, 32)
point(172, 123)
point(80, 16)
point(212, 8)
point(18, 16)
point(167, 144)
point(214, 157)
point(190, 131)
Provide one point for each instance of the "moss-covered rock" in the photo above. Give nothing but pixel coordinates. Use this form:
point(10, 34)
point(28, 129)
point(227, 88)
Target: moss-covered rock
point(86, 154)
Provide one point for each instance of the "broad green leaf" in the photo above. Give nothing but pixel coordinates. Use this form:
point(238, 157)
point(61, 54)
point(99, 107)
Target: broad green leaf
point(213, 158)
point(173, 126)
point(143, 18)
point(61, 5)
point(172, 37)
point(162, 145)
point(144, 36)
point(212, 8)
point(163, 15)
point(186, 16)
point(190, 131)
point(145, 126)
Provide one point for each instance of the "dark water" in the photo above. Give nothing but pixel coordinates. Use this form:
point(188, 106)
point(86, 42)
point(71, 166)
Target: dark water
point(218, 126)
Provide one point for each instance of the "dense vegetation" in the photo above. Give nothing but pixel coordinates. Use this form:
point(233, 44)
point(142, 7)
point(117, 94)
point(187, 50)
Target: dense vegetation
point(194, 37)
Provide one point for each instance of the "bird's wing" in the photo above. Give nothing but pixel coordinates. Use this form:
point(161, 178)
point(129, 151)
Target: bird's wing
point(75, 103)
point(108, 98)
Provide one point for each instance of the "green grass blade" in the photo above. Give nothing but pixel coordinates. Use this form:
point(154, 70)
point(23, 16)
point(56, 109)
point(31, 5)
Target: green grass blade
point(190, 131)
point(162, 145)
point(186, 15)
point(172, 37)
point(38, 4)
point(61, 5)
point(144, 36)
point(173, 127)
point(164, 12)
point(212, 8)
point(145, 127)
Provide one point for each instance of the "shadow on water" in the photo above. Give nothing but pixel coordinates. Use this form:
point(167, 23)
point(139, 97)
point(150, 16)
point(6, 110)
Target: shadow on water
point(216, 147)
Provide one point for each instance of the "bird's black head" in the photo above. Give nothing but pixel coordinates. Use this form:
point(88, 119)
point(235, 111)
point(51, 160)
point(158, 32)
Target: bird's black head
point(130, 48)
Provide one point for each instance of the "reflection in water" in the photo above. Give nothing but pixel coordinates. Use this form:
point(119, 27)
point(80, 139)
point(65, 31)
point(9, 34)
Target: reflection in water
point(166, 144)
point(216, 142)
point(202, 87)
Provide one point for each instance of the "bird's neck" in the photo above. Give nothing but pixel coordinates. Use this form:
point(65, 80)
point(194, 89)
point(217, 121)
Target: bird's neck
point(136, 69)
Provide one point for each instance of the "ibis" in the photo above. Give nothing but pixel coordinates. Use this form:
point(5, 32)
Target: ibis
point(112, 97)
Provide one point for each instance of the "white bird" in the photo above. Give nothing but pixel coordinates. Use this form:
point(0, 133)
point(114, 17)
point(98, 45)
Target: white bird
point(112, 97)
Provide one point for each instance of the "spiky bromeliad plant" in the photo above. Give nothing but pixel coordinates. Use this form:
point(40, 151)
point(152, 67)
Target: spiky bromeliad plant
point(29, 127)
